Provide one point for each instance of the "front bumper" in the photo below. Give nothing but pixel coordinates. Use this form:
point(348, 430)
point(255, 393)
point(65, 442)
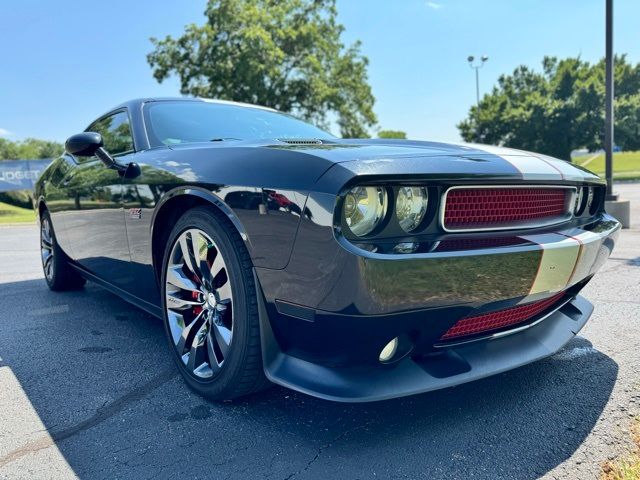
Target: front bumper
point(328, 314)
point(412, 375)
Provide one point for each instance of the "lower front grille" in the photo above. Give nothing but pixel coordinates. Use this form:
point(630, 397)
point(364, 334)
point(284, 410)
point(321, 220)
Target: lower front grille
point(509, 317)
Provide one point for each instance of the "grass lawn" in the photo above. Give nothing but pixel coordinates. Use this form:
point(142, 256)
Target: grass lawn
point(626, 165)
point(626, 468)
point(11, 214)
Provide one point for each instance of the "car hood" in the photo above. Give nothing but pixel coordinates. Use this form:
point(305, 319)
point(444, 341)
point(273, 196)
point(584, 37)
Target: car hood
point(446, 161)
point(338, 160)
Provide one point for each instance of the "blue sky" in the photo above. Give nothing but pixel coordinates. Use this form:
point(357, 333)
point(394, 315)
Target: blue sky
point(66, 62)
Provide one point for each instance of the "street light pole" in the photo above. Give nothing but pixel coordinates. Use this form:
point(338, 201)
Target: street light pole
point(608, 102)
point(477, 86)
point(477, 67)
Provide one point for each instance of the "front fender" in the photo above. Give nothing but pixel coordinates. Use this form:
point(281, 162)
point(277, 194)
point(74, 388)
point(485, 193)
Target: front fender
point(266, 219)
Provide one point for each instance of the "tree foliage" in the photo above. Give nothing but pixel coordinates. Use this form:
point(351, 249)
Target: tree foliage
point(392, 134)
point(29, 149)
point(285, 54)
point(559, 109)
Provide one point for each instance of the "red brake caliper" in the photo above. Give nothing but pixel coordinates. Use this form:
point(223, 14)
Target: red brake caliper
point(197, 309)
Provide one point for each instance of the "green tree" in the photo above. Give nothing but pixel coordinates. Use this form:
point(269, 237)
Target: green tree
point(29, 149)
point(557, 110)
point(284, 54)
point(392, 134)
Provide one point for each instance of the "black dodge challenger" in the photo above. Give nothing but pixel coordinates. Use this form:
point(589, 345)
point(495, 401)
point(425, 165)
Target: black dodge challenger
point(352, 270)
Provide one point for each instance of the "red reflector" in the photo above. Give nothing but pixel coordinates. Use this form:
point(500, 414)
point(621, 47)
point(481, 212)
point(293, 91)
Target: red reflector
point(485, 208)
point(500, 319)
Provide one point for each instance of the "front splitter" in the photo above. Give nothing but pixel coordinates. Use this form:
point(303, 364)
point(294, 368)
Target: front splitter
point(452, 366)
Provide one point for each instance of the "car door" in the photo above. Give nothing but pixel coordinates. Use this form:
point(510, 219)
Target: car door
point(95, 225)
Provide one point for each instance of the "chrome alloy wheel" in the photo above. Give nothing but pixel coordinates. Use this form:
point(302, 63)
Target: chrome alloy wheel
point(46, 248)
point(199, 303)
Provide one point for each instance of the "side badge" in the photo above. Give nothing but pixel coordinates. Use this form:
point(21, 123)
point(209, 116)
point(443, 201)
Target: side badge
point(135, 213)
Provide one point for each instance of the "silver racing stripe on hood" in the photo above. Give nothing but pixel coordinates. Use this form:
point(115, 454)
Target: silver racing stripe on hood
point(534, 166)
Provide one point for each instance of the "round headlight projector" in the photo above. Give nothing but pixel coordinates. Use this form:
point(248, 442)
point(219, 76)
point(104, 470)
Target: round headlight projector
point(364, 208)
point(411, 206)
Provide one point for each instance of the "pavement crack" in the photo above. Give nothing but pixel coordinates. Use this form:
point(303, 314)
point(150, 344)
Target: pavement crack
point(103, 413)
point(325, 446)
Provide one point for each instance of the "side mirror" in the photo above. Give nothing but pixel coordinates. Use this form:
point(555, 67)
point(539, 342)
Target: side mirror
point(88, 144)
point(84, 144)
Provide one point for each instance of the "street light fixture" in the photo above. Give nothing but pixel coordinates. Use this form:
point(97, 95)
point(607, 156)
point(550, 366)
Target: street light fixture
point(477, 67)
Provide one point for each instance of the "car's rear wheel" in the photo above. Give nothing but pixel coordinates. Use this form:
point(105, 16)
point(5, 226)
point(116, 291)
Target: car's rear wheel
point(58, 274)
point(210, 309)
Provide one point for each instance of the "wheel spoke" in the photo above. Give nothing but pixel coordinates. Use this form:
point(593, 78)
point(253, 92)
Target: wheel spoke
point(213, 360)
point(176, 325)
point(197, 353)
point(224, 293)
point(46, 231)
point(48, 268)
point(200, 246)
point(188, 334)
point(46, 255)
point(175, 302)
point(217, 266)
point(187, 254)
point(223, 337)
point(177, 278)
point(205, 275)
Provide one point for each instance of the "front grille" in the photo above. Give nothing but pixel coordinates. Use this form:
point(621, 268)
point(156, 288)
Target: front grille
point(488, 208)
point(489, 322)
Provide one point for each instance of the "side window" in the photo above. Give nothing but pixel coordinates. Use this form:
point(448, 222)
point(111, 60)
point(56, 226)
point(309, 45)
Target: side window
point(116, 133)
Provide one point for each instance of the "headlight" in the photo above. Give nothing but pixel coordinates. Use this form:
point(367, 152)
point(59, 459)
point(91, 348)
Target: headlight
point(411, 205)
point(364, 208)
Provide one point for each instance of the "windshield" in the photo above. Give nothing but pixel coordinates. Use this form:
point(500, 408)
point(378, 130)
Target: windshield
point(171, 123)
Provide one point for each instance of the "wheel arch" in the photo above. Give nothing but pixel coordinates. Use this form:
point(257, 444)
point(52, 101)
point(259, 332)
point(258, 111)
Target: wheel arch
point(41, 207)
point(173, 204)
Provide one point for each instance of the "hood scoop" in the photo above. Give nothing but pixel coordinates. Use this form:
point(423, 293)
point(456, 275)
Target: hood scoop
point(301, 141)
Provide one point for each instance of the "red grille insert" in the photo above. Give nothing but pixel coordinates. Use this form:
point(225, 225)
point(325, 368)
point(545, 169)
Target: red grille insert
point(500, 319)
point(476, 208)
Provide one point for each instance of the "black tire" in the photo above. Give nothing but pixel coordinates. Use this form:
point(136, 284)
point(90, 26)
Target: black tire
point(242, 372)
point(58, 273)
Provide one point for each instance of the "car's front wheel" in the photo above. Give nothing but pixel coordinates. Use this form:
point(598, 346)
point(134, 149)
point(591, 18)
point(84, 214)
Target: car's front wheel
point(210, 309)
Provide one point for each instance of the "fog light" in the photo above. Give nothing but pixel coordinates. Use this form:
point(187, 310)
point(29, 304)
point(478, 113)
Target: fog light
point(579, 207)
point(590, 199)
point(389, 351)
point(406, 247)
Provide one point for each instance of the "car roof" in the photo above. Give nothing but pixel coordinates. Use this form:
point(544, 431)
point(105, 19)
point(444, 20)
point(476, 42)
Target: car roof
point(136, 102)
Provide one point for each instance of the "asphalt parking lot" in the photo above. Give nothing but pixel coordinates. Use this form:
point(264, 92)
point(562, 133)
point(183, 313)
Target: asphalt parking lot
point(87, 389)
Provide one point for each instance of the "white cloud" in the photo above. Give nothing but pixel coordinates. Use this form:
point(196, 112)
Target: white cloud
point(5, 133)
point(434, 5)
